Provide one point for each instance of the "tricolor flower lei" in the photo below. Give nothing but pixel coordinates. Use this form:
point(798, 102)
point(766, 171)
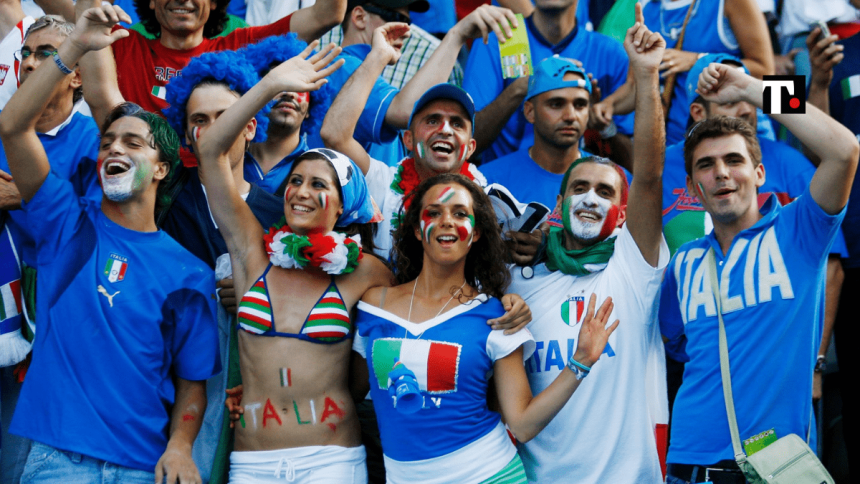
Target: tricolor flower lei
point(406, 180)
point(334, 252)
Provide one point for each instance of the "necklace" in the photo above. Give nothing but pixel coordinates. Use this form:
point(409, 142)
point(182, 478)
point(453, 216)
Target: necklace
point(334, 252)
point(412, 299)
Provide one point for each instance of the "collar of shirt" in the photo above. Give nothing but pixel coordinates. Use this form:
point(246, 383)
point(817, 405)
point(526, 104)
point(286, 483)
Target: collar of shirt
point(56, 130)
point(768, 211)
point(271, 180)
point(555, 48)
point(357, 50)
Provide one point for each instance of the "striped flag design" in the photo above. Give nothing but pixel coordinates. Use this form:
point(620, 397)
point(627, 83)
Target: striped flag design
point(11, 300)
point(850, 87)
point(572, 310)
point(329, 319)
point(115, 270)
point(160, 92)
point(255, 313)
point(434, 363)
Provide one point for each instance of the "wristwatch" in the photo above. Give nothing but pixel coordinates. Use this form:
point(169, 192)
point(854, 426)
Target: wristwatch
point(820, 364)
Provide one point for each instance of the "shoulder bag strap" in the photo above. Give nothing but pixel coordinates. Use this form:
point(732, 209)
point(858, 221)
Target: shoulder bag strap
point(740, 456)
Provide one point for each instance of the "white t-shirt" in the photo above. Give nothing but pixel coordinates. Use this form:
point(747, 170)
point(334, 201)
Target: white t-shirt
point(8, 66)
point(606, 432)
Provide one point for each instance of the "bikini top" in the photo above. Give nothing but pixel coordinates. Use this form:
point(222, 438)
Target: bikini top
point(327, 323)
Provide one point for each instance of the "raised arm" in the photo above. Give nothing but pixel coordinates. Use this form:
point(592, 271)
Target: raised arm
point(27, 158)
point(98, 75)
point(310, 23)
point(343, 115)
point(527, 415)
point(479, 23)
point(833, 143)
point(644, 210)
point(233, 216)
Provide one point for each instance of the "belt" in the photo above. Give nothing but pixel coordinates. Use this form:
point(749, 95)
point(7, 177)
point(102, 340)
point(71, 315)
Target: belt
point(723, 472)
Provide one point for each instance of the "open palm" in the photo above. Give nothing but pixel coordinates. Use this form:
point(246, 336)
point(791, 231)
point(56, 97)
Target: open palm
point(306, 72)
point(593, 335)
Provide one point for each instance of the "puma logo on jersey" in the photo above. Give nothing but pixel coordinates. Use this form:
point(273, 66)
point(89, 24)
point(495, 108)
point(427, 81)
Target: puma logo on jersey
point(110, 297)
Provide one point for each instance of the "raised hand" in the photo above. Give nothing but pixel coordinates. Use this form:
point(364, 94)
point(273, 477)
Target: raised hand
point(389, 39)
point(724, 84)
point(486, 19)
point(593, 335)
point(644, 48)
point(93, 29)
point(824, 54)
point(306, 72)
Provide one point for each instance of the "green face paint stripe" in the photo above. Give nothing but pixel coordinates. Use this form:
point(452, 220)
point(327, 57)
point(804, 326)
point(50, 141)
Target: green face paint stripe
point(323, 200)
point(565, 214)
point(447, 194)
point(419, 149)
point(428, 230)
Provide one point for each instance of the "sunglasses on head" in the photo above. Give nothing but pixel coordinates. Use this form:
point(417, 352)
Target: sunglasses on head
point(385, 14)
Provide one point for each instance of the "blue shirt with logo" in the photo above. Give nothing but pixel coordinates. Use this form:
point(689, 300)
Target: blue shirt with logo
point(772, 287)
point(121, 313)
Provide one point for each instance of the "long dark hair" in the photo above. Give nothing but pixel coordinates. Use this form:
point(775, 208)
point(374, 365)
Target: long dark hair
point(365, 231)
point(214, 25)
point(485, 267)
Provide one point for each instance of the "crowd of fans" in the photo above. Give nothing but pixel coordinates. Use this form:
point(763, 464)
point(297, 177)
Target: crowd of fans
point(337, 241)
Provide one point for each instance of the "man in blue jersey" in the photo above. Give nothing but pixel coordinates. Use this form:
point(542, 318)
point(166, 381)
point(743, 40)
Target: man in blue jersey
point(770, 265)
point(116, 388)
point(501, 127)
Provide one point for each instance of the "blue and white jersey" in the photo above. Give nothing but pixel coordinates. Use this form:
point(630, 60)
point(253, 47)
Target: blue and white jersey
point(602, 56)
point(121, 314)
point(707, 31)
point(771, 286)
point(452, 356)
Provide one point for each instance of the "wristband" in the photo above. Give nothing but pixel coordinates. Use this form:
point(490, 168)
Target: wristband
point(609, 131)
point(62, 67)
point(581, 371)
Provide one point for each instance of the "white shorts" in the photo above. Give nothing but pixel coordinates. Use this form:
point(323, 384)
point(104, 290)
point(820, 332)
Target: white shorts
point(329, 464)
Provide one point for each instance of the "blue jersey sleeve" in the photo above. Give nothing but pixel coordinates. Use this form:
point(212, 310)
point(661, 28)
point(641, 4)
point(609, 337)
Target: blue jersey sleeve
point(813, 229)
point(60, 214)
point(671, 324)
point(371, 126)
point(189, 315)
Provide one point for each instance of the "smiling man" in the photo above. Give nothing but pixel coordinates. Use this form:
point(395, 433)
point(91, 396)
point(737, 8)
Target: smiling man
point(116, 388)
point(610, 248)
point(770, 267)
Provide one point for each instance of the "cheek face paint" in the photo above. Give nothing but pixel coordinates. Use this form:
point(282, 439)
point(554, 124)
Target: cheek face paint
point(589, 201)
point(609, 222)
point(464, 151)
point(195, 133)
point(466, 230)
point(303, 97)
point(701, 193)
point(427, 225)
point(323, 197)
point(420, 149)
point(287, 194)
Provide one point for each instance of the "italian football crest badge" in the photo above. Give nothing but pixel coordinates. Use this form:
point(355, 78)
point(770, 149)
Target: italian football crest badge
point(116, 267)
point(572, 310)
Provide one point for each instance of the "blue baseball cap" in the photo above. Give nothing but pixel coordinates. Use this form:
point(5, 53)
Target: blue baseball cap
point(549, 76)
point(701, 65)
point(446, 91)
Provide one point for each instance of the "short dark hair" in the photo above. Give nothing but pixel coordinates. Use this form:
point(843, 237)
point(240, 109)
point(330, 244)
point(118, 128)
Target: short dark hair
point(164, 140)
point(214, 25)
point(485, 263)
point(717, 127)
point(625, 187)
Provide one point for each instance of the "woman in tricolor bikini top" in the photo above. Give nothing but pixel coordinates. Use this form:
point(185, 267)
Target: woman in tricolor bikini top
point(430, 354)
point(300, 281)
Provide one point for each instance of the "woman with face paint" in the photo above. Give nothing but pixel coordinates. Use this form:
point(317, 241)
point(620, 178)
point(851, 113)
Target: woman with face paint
point(300, 281)
point(429, 354)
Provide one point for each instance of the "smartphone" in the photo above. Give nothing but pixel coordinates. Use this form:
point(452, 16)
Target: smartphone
point(825, 32)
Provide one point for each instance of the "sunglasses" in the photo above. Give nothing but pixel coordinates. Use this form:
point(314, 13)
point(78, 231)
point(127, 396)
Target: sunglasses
point(387, 15)
point(22, 54)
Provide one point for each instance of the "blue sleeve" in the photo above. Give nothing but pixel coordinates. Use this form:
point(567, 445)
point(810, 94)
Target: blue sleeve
point(839, 247)
point(86, 180)
point(371, 126)
point(813, 229)
point(193, 329)
point(671, 323)
point(483, 76)
point(60, 215)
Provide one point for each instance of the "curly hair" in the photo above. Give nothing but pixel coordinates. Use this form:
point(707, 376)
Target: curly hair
point(214, 24)
point(485, 262)
point(164, 140)
point(227, 68)
point(276, 49)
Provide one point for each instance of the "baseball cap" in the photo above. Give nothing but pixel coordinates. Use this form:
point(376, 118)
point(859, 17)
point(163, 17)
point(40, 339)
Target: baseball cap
point(549, 76)
point(701, 65)
point(419, 6)
point(446, 91)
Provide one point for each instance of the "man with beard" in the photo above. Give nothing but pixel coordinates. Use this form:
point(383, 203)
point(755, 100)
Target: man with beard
point(116, 389)
point(606, 432)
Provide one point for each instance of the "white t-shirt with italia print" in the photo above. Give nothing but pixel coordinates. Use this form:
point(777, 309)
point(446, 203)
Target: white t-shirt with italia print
point(607, 430)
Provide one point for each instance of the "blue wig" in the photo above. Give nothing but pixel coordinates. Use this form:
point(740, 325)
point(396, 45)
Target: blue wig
point(228, 67)
point(274, 50)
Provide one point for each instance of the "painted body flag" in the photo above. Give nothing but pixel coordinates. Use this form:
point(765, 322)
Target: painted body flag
point(850, 87)
point(434, 363)
point(11, 300)
point(255, 313)
point(115, 268)
point(160, 92)
point(329, 319)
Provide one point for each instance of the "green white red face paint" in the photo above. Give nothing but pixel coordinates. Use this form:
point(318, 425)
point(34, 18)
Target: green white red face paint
point(464, 151)
point(195, 133)
point(119, 187)
point(427, 225)
point(420, 149)
point(701, 191)
point(604, 212)
point(287, 194)
point(466, 230)
point(446, 195)
point(323, 198)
